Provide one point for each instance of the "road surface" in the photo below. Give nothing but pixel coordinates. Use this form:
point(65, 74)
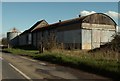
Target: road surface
point(19, 67)
point(8, 72)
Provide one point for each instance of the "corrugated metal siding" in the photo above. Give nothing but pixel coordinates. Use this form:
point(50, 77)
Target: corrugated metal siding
point(34, 39)
point(86, 39)
point(70, 39)
point(38, 39)
point(60, 37)
point(29, 38)
point(72, 36)
point(23, 39)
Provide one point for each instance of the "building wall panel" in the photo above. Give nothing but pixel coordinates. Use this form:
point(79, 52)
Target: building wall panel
point(38, 38)
point(106, 36)
point(111, 35)
point(60, 37)
point(72, 36)
point(23, 39)
point(86, 39)
point(34, 39)
point(95, 38)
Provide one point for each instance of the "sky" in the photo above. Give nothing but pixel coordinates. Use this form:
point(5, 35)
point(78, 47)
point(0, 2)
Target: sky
point(60, 0)
point(23, 15)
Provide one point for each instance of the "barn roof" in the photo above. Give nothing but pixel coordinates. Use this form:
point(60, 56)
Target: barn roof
point(36, 25)
point(100, 18)
point(96, 18)
point(39, 26)
point(62, 23)
point(33, 27)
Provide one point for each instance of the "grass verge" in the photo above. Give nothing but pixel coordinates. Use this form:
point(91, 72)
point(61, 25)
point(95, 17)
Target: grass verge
point(108, 68)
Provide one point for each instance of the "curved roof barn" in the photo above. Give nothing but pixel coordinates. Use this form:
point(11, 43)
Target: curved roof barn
point(99, 18)
point(96, 18)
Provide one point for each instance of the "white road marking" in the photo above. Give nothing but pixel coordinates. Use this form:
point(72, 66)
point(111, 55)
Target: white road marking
point(20, 72)
point(41, 63)
point(28, 59)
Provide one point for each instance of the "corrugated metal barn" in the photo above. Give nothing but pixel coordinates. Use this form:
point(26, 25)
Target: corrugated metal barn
point(87, 32)
point(26, 37)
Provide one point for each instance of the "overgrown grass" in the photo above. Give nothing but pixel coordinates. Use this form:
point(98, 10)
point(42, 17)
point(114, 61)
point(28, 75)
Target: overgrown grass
point(20, 51)
point(95, 63)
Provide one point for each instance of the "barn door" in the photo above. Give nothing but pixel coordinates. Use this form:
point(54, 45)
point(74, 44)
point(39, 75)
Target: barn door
point(86, 39)
point(95, 38)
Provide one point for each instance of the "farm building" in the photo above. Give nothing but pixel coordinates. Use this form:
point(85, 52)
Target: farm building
point(87, 32)
point(26, 37)
point(12, 37)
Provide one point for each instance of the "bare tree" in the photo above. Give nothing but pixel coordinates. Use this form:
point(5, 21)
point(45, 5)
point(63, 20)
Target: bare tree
point(4, 41)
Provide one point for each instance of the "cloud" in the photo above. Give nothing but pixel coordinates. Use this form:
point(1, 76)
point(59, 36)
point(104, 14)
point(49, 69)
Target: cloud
point(84, 12)
point(112, 14)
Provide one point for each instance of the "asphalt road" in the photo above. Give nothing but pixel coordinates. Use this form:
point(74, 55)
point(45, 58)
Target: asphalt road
point(8, 72)
point(19, 68)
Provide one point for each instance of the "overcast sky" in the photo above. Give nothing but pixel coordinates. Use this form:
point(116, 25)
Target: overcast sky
point(23, 15)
